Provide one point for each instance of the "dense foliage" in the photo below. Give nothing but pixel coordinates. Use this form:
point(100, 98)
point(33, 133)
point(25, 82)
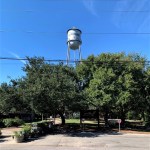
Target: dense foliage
point(46, 89)
point(116, 84)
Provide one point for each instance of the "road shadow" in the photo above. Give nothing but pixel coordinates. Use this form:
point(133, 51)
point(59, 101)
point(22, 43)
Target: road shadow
point(3, 138)
point(91, 134)
point(88, 130)
point(31, 139)
point(82, 134)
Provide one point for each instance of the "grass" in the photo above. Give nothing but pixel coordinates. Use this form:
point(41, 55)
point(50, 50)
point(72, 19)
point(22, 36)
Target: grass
point(72, 120)
point(78, 121)
point(74, 125)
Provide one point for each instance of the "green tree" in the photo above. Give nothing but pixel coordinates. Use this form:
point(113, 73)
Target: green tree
point(113, 82)
point(10, 99)
point(146, 105)
point(51, 88)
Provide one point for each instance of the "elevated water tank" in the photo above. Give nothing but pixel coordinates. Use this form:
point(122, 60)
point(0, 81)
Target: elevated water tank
point(74, 38)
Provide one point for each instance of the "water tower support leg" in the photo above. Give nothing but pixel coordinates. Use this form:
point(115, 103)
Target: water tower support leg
point(68, 54)
point(80, 53)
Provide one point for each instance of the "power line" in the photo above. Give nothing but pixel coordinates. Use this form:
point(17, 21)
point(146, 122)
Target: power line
point(87, 33)
point(80, 0)
point(101, 11)
point(73, 61)
point(117, 33)
point(85, 0)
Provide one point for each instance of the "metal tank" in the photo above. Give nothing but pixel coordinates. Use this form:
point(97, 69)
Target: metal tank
point(74, 41)
point(74, 38)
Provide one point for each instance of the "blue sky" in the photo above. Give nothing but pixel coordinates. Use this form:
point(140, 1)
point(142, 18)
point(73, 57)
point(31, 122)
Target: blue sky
point(38, 28)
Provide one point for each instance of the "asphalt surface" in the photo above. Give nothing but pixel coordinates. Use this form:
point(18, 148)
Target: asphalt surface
point(81, 141)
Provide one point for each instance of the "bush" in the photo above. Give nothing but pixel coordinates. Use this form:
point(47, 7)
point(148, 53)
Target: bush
point(26, 130)
point(18, 136)
point(44, 127)
point(18, 122)
point(9, 122)
point(41, 128)
point(35, 130)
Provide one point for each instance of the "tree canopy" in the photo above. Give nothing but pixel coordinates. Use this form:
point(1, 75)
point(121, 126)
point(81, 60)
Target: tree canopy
point(116, 84)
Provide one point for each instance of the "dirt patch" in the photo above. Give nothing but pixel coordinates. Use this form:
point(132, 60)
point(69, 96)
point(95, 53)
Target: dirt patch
point(9, 131)
point(132, 131)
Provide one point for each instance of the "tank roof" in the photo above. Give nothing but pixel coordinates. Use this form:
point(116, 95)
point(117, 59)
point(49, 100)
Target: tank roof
point(74, 28)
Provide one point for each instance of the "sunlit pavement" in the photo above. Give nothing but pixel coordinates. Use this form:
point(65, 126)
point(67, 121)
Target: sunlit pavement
point(82, 141)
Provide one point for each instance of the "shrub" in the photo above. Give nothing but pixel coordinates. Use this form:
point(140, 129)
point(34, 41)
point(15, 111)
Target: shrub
point(35, 130)
point(41, 128)
point(44, 126)
point(9, 122)
point(18, 136)
point(26, 130)
point(18, 122)
point(18, 133)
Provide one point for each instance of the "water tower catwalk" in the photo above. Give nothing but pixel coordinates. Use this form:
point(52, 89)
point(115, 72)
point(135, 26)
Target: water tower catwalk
point(74, 42)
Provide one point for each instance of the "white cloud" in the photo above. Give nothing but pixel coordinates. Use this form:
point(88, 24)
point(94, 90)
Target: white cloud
point(89, 5)
point(18, 57)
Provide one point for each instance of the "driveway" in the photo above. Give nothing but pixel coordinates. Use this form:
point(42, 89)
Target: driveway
point(82, 141)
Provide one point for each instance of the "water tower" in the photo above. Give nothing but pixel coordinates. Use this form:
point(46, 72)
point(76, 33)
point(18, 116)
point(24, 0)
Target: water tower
point(74, 42)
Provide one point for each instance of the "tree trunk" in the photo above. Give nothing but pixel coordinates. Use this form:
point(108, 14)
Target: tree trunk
point(62, 118)
point(106, 118)
point(123, 119)
point(98, 118)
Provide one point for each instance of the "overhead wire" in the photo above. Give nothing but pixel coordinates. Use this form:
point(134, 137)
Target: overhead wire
point(86, 33)
point(75, 61)
point(84, 0)
point(67, 10)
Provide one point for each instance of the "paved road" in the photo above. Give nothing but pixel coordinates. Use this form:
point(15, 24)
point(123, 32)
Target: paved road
point(82, 141)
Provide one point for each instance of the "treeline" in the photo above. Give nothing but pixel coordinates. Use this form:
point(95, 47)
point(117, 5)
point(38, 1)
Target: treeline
point(116, 84)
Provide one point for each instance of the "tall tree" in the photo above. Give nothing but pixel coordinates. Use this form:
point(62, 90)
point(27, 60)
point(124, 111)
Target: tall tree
point(51, 88)
point(112, 82)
